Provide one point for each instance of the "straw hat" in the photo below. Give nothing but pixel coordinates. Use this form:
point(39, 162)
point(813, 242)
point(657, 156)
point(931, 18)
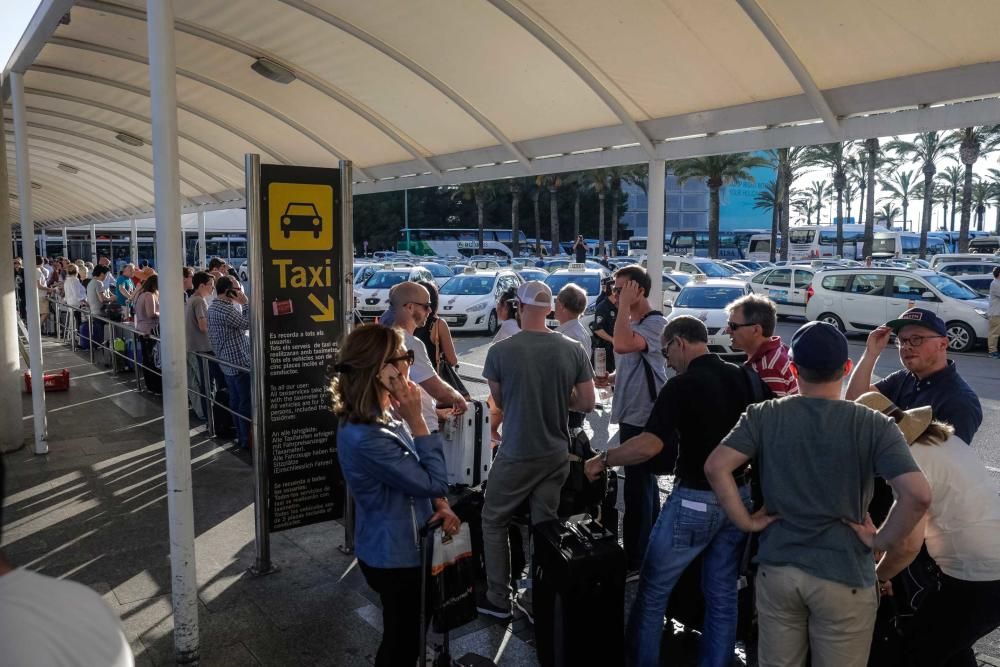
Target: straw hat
point(912, 423)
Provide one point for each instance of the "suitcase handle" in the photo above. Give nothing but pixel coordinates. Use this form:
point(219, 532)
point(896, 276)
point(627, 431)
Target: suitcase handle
point(431, 526)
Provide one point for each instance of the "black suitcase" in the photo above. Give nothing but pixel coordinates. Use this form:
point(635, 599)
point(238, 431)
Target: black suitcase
point(578, 593)
point(225, 427)
point(468, 506)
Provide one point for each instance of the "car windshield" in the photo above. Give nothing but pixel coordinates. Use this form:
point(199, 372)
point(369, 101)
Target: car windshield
point(383, 279)
point(468, 285)
point(708, 296)
point(533, 274)
point(679, 278)
point(591, 284)
point(951, 287)
point(714, 270)
point(801, 235)
point(438, 270)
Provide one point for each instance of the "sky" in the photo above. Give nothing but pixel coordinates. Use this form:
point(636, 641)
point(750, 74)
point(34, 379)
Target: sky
point(14, 18)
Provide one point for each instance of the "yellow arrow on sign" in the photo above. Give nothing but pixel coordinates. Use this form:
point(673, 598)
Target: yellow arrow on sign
point(326, 311)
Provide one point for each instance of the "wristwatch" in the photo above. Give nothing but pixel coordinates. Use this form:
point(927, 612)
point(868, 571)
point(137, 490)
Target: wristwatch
point(604, 458)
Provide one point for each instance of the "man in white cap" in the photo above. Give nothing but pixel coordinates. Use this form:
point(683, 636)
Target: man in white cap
point(536, 378)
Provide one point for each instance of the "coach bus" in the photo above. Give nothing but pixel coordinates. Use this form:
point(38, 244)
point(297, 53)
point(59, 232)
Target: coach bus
point(816, 241)
point(732, 243)
point(456, 242)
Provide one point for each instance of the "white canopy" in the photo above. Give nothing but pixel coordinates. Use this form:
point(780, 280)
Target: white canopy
point(450, 91)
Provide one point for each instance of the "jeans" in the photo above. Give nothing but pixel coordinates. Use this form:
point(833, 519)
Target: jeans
point(240, 403)
point(642, 505)
point(951, 620)
point(691, 523)
point(399, 592)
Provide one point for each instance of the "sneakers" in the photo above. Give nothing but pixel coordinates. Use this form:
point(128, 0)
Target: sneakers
point(995, 355)
point(631, 575)
point(523, 602)
point(484, 606)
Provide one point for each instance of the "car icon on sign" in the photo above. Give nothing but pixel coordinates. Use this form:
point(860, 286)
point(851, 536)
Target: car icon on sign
point(301, 217)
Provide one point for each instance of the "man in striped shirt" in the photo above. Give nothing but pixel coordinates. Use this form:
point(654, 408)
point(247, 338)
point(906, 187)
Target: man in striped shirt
point(751, 326)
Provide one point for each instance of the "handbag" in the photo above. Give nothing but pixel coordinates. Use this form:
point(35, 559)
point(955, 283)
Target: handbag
point(446, 371)
point(453, 575)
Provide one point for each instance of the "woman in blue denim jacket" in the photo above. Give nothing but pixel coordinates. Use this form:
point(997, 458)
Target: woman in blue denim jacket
point(396, 474)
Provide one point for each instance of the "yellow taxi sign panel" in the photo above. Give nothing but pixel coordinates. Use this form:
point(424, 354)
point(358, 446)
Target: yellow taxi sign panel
point(300, 216)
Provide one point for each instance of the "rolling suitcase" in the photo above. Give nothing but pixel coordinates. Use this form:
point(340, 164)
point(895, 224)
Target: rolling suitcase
point(468, 451)
point(578, 587)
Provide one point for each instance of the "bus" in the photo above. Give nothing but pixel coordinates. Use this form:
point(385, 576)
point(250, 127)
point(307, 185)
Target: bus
point(813, 241)
point(732, 243)
point(759, 248)
point(458, 242)
point(900, 245)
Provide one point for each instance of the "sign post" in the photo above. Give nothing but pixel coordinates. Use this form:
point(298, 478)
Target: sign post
point(300, 254)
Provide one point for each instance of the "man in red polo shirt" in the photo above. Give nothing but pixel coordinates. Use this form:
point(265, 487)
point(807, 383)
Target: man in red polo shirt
point(751, 326)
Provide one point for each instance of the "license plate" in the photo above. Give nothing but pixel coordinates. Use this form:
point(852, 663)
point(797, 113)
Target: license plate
point(552, 323)
point(450, 320)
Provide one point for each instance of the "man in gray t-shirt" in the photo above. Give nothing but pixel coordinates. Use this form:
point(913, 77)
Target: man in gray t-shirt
point(639, 376)
point(818, 456)
point(535, 377)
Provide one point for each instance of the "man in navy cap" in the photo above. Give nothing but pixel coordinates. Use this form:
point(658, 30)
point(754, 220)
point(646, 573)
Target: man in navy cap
point(818, 456)
point(928, 378)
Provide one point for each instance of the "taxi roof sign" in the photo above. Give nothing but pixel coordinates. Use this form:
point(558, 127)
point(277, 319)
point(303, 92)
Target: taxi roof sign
point(700, 278)
point(469, 270)
point(575, 266)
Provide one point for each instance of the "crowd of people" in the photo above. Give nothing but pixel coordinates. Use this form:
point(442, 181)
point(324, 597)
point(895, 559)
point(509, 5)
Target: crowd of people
point(847, 492)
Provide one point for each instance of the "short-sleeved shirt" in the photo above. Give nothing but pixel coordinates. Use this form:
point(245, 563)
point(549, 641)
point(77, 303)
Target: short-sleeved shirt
point(197, 340)
point(94, 300)
point(421, 371)
point(122, 283)
point(632, 401)
point(536, 371)
point(682, 415)
point(818, 459)
point(772, 364)
point(576, 330)
point(605, 314)
point(507, 329)
point(947, 394)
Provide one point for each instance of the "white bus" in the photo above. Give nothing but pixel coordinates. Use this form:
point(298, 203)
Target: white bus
point(817, 241)
point(900, 245)
point(457, 242)
point(637, 246)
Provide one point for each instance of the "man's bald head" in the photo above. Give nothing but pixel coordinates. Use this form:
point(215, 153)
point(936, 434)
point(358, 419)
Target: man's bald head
point(406, 292)
point(411, 305)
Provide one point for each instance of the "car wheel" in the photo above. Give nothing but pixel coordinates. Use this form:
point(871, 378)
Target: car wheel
point(830, 318)
point(961, 337)
point(491, 324)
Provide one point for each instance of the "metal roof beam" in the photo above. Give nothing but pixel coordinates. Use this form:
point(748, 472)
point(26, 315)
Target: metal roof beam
point(414, 67)
point(210, 83)
point(792, 62)
point(517, 15)
point(194, 111)
point(51, 179)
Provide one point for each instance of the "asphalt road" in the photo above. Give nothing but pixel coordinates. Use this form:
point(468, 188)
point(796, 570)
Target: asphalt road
point(981, 372)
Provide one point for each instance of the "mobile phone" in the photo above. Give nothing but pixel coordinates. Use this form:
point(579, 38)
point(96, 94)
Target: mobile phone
point(387, 373)
point(232, 294)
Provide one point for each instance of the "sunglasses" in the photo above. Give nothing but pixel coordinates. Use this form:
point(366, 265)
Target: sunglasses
point(417, 303)
point(733, 326)
point(408, 358)
point(666, 350)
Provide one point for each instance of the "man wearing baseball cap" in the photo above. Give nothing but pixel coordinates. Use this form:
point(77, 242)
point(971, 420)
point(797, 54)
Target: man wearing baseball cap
point(536, 378)
point(818, 456)
point(928, 377)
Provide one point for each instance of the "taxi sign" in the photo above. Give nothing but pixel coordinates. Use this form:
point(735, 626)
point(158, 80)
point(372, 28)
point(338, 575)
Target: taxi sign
point(469, 270)
point(700, 278)
point(577, 267)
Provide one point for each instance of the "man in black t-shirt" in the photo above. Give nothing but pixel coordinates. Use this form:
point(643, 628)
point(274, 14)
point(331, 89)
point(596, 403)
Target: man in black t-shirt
point(695, 409)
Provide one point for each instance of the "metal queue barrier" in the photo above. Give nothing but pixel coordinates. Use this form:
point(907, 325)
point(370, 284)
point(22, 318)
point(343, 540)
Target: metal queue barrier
point(67, 330)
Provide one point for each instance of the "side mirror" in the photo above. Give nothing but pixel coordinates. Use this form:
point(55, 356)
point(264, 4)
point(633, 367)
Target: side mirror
point(929, 296)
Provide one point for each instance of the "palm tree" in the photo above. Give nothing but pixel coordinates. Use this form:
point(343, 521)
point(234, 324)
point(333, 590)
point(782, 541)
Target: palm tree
point(769, 199)
point(872, 158)
point(805, 208)
point(536, 193)
point(634, 174)
point(481, 194)
point(901, 186)
point(551, 183)
point(818, 193)
point(975, 142)
point(717, 170)
point(856, 168)
point(953, 177)
point(598, 182)
point(789, 163)
point(834, 157)
point(514, 186)
point(982, 191)
point(888, 212)
point(927, 148)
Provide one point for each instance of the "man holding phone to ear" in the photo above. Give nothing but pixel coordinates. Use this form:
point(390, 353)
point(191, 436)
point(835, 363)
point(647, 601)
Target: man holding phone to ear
point(229, 334)
point(411, 304)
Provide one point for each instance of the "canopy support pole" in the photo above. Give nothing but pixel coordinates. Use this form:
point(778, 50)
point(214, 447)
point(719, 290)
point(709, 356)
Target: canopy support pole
point(30, 279)
point(656, 184)
point(134, 242)
point(202, 245)
point(93, 244)
point(11, 424)
point(173, 353)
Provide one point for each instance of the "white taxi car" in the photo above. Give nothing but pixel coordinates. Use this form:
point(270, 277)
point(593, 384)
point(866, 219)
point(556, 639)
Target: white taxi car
point(588, 279)
point(468, 302)
point(787, 286)
point(371, 298)
point(706, 298)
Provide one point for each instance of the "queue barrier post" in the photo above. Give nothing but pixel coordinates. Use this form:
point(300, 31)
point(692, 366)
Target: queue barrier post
point(206, 386)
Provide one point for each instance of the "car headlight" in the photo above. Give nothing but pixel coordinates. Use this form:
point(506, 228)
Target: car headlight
point(981, 312)
point(590, 309)
point(482, 305)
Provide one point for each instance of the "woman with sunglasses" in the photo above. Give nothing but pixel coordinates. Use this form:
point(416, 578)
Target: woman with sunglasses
point(396, 473)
